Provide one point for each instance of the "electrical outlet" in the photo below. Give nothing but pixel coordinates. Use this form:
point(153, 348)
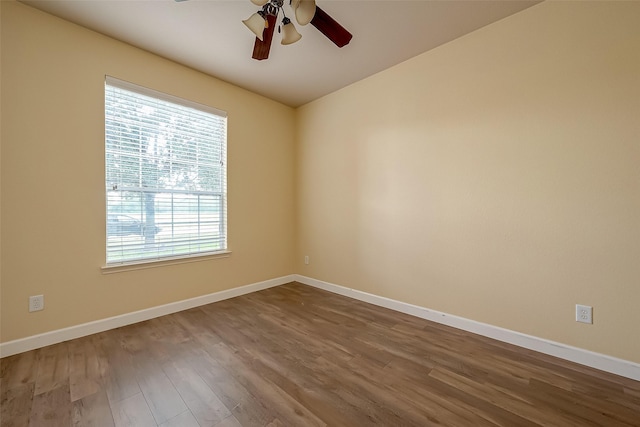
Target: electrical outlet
point(36, 303)
point(584, 313)
point(306, 259)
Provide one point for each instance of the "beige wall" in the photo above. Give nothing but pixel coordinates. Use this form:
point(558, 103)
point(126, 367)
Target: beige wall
point(53, 198)
point(495, 178)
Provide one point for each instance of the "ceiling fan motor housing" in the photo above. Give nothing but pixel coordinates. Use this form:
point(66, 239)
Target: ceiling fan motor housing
point(273, 7)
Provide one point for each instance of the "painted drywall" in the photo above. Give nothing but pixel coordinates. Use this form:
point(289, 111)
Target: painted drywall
point(53, 191)
point(496, 178)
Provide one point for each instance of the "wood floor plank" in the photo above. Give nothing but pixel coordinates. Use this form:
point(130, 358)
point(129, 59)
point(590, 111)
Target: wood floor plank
point(229, 422)
point(85, 376)
point(19, 369)
point(248, 409)
point(601, 412)
point(498, 397)
point(282, 405)
point(51, 408)
point(162, 397)
point(219, 380)
point(203, 403)
point(92, 411)
point(132, 412)
point(439, 408)
point(196, 322)
point(15, 404)
point(119, 374)
point(185, 419)
point(53, 368)
point(294, 355)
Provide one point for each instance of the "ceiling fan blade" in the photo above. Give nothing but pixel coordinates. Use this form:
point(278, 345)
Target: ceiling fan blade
point(262, 47)
point(330, 28)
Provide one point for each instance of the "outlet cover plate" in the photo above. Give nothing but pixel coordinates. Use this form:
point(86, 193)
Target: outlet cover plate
point(36, 303)
point(584, 313)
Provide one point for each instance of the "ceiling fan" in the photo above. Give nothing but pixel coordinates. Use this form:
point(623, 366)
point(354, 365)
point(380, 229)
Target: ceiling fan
point(263, 24)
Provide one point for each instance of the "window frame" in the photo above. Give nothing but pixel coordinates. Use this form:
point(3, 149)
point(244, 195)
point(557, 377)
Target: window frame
point(143, 261)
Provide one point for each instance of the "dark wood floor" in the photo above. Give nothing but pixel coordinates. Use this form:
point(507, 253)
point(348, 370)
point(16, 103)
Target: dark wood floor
point(298, 356)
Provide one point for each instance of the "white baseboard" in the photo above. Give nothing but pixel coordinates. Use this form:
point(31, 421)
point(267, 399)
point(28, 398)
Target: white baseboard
point(41, 340)
point(584, 357)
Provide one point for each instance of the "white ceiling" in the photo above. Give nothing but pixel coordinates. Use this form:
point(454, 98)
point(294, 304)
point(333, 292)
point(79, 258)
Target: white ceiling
point(209, 36)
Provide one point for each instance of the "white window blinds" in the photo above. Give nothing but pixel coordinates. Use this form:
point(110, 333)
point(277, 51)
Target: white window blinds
point(165, 175)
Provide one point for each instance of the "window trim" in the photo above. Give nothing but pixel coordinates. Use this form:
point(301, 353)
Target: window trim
point(146, 263)
point(154, 263)
point(132, 87)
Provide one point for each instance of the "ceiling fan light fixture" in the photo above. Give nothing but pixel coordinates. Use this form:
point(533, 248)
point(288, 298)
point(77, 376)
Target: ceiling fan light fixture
point(256, 24)
point(263, 23)
point(289, 33)
point(305, 10)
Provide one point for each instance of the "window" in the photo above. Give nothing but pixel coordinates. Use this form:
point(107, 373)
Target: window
point(165, 175)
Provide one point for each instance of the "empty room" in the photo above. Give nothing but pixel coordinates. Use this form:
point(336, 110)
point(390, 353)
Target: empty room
point(319, 213)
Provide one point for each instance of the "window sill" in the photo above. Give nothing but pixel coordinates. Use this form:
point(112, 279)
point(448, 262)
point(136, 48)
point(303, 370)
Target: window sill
point(143, 265)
